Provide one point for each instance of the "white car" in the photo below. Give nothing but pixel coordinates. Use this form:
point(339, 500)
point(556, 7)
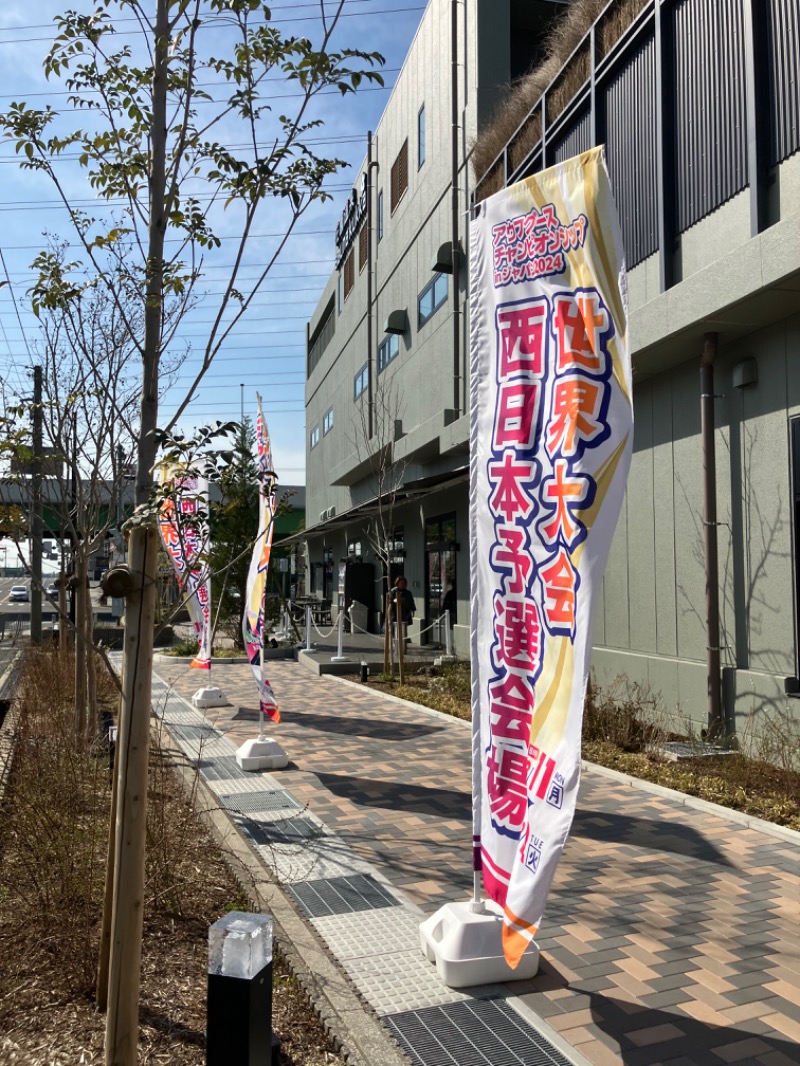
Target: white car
point(18, 594)
point(51, 590)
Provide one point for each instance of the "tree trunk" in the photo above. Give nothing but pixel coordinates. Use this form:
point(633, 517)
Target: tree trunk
point(133, 739)
point(140, 615)
point(63, 625)
point(79, 592)
point(91, 666)
point(101, 992)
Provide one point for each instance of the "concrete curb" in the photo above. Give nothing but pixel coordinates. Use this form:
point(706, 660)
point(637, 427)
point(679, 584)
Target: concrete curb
point(358, 1034)
point(9, 728)
point(739, 817)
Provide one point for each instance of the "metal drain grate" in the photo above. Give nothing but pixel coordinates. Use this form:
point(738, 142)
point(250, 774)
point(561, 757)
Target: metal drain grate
point(223, 768)
point(341, 895)
point(472, 1033)
point(286, 831)
point(252, 802)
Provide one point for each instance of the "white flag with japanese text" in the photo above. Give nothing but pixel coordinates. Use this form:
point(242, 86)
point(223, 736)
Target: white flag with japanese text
point(551, 435)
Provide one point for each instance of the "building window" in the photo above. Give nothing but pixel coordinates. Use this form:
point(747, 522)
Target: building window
point(361, 383)
point(340, 298)
point(388, 350)
point(315, 436)
point(349, 274)
point(363, 247)
point(431, 298)
point(327, 421)
point(354, 549)
point(399, 177)
point(421, 137)
point(380, 215)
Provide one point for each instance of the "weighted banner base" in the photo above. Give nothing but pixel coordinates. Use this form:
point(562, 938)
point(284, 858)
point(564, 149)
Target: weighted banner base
point(467, 946)
point(209, 697)
point(261, 754)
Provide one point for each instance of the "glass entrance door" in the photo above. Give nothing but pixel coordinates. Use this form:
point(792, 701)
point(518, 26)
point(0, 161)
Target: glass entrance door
point(440, 569)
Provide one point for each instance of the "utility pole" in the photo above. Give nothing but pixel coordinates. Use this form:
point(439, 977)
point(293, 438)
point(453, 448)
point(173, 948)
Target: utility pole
point(36, 511)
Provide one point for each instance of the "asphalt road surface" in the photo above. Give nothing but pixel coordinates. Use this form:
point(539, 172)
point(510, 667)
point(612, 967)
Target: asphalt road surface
point(16, 615)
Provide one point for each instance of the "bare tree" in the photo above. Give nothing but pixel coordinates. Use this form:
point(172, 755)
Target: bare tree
point(377, 427)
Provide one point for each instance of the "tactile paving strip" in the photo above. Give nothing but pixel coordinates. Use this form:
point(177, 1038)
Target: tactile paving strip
point(341, 895)
point(252, 802)
point(472, 1033)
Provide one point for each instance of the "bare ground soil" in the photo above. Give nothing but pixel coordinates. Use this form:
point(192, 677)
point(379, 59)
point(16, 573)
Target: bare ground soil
point(53, 833)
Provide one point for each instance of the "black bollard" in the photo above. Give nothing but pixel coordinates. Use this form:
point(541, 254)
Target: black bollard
point(239, 1019)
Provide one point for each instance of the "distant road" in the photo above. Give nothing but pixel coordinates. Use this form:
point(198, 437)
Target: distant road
point(23, 610)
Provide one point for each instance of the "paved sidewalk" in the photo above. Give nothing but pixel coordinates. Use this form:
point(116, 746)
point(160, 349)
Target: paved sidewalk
point(671, 935)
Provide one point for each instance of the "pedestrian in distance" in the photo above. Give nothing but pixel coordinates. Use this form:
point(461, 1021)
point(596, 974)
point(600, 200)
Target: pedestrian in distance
point(401, 594)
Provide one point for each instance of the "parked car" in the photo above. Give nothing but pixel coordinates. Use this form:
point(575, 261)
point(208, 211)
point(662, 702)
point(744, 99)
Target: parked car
point(18, 594)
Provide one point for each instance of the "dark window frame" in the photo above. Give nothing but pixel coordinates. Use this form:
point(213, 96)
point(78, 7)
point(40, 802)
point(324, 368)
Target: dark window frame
point(327, 422)
point(421, 138)
point(362, 379)
point(385, 346)
point(422, 318)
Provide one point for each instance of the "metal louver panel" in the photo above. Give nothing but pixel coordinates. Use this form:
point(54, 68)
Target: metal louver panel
point(784, 78)
point(631, 152)
point(710, 119)
point(577, 139)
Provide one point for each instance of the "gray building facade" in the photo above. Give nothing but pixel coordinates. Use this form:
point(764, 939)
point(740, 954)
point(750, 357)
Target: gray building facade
point(697, 103)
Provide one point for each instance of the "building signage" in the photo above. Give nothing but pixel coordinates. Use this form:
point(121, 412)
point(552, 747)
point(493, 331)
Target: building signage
point(551, 435)
point(354, 213)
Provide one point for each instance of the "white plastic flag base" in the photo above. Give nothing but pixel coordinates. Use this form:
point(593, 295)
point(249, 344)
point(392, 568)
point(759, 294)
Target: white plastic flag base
point(209, 697)
point(261, 754)
point(467, 946)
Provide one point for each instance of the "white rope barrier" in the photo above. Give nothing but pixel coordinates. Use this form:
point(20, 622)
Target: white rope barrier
point(319, 632)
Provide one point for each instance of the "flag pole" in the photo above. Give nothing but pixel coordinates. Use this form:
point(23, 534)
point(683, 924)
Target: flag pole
point(261, 702)
point(262, 752)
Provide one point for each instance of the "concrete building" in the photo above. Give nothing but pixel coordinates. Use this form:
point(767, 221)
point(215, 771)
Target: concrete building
point(387, 390)
point(698, 105)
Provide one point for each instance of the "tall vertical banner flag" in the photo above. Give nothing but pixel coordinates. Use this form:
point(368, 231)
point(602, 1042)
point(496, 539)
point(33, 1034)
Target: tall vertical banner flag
point(253, 617)
point(183, 525)
point(551, 434)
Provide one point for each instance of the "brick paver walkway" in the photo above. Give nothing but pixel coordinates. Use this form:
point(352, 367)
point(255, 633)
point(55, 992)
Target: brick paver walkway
point(672, 933)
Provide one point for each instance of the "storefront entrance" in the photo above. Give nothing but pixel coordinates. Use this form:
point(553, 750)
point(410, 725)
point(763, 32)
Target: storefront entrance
point(440, 569)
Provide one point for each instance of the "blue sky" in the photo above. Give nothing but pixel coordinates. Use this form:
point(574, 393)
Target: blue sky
point(266, 353)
